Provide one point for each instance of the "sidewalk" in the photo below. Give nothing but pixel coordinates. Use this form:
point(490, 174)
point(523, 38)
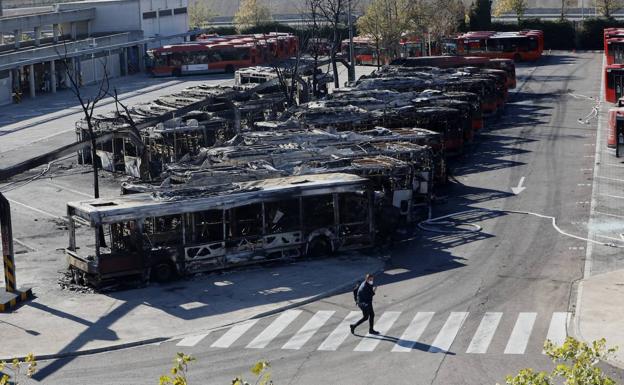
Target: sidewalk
point(600, 312)
point(59, 323)
point(599, 309)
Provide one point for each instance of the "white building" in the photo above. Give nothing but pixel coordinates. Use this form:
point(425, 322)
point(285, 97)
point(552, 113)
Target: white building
point(95, 36)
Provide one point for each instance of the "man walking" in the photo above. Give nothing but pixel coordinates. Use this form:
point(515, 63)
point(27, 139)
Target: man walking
point(364, 299)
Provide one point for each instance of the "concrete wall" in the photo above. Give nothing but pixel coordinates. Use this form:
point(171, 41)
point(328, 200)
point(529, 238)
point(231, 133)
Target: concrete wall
point(110, 16)
point(5, 87)
point(92, 70)
point(163, 25)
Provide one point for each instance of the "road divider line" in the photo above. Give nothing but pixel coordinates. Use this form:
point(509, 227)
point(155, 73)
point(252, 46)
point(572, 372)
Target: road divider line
point(485, 332)
point(308, 330)
point(521, 333)
point(447, 334)
point(274, 329)
point(410, 336)
point(36, 209)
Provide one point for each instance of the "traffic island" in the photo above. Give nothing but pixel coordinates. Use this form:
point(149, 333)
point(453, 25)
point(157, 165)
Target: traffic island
point(11, 300)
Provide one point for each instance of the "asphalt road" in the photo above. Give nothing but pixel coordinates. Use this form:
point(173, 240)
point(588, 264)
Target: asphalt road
point(452, 308)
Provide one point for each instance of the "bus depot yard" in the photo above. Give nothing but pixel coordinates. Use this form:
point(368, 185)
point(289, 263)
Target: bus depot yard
point(207, 197)
point(233, 176)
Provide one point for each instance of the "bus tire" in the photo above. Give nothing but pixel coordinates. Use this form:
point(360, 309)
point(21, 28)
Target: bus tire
point(229, 69)
point(319, 247)
point(517, 58)
point(176, 72)
point(163, 272)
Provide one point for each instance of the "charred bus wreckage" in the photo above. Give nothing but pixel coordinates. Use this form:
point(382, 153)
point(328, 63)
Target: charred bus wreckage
point(228, 176)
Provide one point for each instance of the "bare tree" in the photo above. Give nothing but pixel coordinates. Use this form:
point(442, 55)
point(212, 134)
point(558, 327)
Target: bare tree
point(333, 11)
point(87, 105)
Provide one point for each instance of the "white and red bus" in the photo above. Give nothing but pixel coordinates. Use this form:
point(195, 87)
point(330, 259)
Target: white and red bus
point(614, 82)
point(365, 49)
point(212, 53)
point(525, 45)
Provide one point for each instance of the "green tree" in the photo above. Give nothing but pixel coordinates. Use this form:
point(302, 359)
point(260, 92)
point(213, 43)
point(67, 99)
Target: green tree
point(481, 15)
point(385, 21)
point(518, 7)
point(607, 7)
point(261, 371)
point(575, 364)
point(252, 13)
point(29, 363)
point(178, 371)
point(200, 14)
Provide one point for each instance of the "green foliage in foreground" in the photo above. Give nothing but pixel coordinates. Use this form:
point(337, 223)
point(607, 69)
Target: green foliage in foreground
point(179, 371)
point(575, 364)
point(29, 364)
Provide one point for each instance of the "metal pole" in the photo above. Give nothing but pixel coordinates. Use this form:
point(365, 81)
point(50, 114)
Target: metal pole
point(351, 61)
point(7, 245)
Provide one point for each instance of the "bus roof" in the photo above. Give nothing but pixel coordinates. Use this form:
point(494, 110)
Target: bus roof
point(144, 205)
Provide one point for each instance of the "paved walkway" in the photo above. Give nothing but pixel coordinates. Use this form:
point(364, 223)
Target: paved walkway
point(60, 322)
point(600, 301)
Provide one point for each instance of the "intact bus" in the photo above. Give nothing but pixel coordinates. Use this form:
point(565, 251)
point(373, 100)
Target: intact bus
point(211, 53)
point(186, 231)
point(365, 49)
point(614, 82)
point(519, 46)
point(615, 50)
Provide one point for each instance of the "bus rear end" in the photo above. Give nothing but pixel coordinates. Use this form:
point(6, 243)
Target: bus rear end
point(614, 82)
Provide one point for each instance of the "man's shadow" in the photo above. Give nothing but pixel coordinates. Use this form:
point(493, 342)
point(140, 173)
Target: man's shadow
point(415, 345)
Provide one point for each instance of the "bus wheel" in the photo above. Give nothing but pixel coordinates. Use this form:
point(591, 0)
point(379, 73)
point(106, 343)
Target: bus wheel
point(163, 272)
point(229, 69)
point(517, 58)
point(177, 73)
point(320, 247)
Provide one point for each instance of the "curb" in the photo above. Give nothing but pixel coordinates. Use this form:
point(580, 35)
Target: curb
point(155, 340)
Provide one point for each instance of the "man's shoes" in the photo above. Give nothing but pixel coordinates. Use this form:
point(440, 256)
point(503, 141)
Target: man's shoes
point(373, 331)
point(352, 327)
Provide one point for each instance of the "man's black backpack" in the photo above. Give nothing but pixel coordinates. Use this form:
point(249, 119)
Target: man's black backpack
point(356, 288)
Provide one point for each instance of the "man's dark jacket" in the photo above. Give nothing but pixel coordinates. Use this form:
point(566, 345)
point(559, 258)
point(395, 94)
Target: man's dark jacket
point(365, 294)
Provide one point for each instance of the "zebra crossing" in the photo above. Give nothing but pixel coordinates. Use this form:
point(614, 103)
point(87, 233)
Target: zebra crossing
point(327, 330)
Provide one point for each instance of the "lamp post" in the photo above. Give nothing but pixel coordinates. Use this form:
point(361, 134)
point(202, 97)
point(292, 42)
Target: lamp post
point(351, 61)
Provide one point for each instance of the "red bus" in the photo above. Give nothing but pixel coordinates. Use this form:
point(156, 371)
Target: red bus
point(616, 121)
point(610, 33)
point(614, 82)
point(365, 49)
point(212, 53)
point(615, 50)
point(525, 45)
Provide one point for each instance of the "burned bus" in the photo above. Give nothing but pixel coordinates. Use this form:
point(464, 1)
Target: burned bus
point(181, 232)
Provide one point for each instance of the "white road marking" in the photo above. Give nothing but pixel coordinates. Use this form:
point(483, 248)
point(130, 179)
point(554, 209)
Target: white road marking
point(36, 209)
point(192, 340)
point(337, 337)
point(607, 214)
point(70, 189)
point(233, 334)
point(307, 331)
point(274, 329)
point(413, 332)
point(370, 342)
point(446, 336)
point(612, 196)
point(557, 331)
point(485, 332)
point(611, 179)
point(521, 333)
